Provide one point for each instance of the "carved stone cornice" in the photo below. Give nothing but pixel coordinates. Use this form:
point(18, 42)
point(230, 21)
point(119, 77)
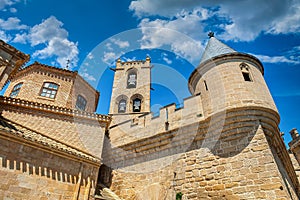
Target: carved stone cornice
point(55, 109)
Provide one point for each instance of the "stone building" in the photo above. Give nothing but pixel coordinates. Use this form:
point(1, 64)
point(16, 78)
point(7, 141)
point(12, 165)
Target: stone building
point(10, 61)
point(51, 139)
point(224, 143)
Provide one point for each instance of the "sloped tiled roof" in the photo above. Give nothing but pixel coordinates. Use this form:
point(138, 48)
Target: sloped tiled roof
point(14, 51)
point(21, 132)
point(215, 48)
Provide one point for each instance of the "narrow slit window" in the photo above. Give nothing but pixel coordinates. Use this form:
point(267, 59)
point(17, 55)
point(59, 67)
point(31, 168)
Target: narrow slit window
point(205, 84)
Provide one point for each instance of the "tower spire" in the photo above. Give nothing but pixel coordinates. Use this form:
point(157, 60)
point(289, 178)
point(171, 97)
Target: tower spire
point(214, 48)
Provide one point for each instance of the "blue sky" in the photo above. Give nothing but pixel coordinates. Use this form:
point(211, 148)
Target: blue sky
point(93, 34)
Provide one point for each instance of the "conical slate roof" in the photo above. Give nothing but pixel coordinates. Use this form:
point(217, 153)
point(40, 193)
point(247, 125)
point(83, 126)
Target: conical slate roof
point(215, 48)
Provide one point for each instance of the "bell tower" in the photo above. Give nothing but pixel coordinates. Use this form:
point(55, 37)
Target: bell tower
point(131, 89)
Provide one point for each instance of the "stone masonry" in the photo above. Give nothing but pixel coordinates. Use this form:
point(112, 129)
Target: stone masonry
point(223, 144)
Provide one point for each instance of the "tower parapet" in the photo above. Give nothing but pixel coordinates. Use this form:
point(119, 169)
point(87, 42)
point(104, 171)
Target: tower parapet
point(131, 90)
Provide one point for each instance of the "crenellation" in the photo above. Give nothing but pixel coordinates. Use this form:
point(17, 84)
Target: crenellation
point(223, 143)
point(136, 128)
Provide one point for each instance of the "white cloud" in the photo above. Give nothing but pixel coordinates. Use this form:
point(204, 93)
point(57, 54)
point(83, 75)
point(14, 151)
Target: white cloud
point(62, 48)
point(12, 23)
point(126, 59)
point(276, 59)
point(109, 57)
point(121, 44)
point(46, 31)
point(20, 38)
point(90, 56)
point(159, 33)
point(288, 23)
point(109, 46)
point(5, 37)
point(52, 39)
point(239, 20)
point(13, 10)
point(166, 59)
point(87, 76)
point(5, 3)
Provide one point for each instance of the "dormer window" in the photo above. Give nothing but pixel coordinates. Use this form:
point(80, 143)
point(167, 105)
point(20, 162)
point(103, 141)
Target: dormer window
point(49, 90)
point(245, 72)
point(16, 90)
point(131, 78)
point(81, 103)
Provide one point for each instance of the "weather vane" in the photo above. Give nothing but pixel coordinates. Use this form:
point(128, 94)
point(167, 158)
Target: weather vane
point(211, 34)
point(68, 62)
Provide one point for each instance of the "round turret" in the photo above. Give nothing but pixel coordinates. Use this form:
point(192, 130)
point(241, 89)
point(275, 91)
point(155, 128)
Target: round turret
point(228, 79)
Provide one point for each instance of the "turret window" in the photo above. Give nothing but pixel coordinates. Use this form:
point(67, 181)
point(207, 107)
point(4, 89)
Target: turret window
point(136, 105)
point(16, 90)
point(122, 106)
point(49, 90)
point(245, 72)
point(131, 78)
point(81, 103)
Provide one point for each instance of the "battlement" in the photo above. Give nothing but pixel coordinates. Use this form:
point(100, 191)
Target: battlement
point(135, 63)
point(125, 130)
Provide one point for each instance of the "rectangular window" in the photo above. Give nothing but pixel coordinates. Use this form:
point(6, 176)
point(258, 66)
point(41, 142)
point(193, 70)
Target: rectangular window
point(81, 103)
point(49, 90)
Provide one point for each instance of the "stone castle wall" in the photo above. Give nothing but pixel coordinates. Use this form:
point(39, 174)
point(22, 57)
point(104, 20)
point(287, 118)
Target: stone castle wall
point(84, 132)
point(241, 162)
point(27, 172)
point(127, 129)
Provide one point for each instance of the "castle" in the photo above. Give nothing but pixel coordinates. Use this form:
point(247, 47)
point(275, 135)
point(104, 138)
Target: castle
point(224, 143)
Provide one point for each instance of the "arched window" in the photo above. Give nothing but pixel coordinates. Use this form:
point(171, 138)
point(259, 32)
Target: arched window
point(122, 106)
point(49, 90)
point(136, 103)
point(16, 90)
point(131, 78)
point(80, 103)
point(245, 72)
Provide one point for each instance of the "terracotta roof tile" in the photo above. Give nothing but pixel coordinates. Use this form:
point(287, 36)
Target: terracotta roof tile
point(33, 136)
